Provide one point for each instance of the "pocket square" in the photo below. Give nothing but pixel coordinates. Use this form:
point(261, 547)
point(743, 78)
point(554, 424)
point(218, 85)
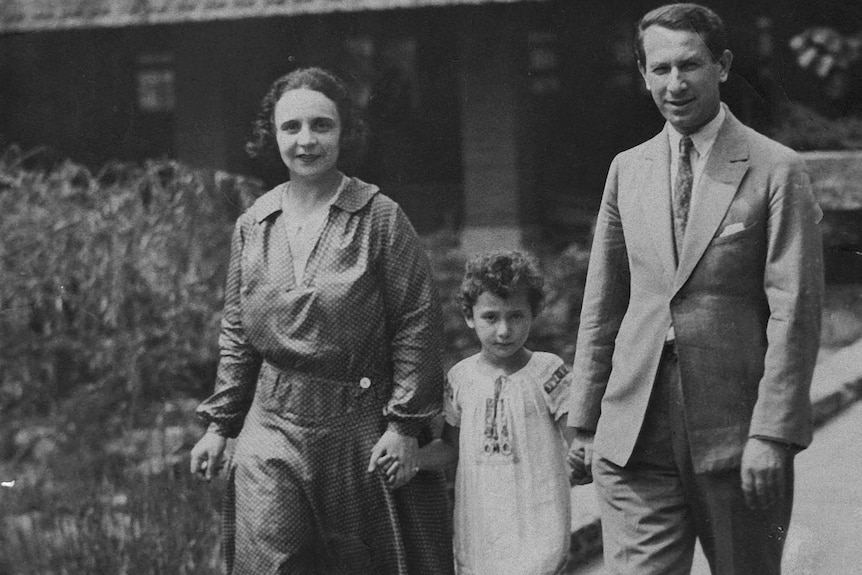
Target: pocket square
point(732, 229)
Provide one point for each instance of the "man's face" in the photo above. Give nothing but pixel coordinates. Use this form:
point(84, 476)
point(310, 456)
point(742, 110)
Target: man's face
point(682, 76)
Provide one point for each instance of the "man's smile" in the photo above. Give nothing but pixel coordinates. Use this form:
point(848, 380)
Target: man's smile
point(679, 103)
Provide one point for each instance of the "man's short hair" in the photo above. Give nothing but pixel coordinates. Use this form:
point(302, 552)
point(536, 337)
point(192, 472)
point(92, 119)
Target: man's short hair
point(691, 17)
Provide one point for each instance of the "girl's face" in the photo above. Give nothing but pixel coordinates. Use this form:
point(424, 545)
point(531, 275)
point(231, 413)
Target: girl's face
point(308, 132)
point(502, 325)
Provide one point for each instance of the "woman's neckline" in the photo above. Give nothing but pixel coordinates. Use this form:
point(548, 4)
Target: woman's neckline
point(298, 203)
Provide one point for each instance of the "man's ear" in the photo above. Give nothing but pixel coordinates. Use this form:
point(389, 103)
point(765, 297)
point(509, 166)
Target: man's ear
point(725, 61)
point(469, 322)
point(642, 70)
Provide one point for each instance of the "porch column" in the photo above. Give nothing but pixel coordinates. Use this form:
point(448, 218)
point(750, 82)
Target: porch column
point(489, 110)
point(200, 107)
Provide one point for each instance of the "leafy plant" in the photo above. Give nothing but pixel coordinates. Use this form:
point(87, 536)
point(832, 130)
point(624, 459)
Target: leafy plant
point(804, 129)
point(110, 304)
point(111, 281)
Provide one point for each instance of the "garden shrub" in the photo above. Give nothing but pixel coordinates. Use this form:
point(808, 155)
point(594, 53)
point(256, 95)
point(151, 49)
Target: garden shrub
point(113, 286)
point(110, 301)
point(112, 282)
point(111, 298)
point(804, 129)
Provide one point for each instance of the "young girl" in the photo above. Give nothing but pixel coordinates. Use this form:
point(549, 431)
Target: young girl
point(505, 426)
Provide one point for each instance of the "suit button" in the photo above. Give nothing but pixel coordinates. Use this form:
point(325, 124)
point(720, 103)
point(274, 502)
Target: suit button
point(364, 383)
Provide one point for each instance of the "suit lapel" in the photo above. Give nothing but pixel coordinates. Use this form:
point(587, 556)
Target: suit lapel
point(727, 164)
point(655, 200)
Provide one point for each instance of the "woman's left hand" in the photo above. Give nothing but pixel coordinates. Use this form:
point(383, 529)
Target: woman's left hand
point(403, 449)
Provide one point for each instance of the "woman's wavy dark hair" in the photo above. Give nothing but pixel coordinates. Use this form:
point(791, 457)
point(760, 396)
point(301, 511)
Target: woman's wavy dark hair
point(263, 146)
point(501, 273)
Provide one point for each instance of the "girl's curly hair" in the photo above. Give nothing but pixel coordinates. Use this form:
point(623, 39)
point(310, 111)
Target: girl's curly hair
point(501, 273)
point(263, 145)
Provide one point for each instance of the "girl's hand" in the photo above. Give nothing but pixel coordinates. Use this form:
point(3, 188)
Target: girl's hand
point(580, 459)
point(207, 454)
point(401, 450)
point(389, 466)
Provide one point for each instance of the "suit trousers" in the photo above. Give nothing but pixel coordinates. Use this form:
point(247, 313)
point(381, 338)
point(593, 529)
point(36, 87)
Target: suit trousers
point(655, 507)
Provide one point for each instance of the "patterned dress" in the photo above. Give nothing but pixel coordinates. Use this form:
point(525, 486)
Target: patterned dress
point(311, 374)
point(512, 494)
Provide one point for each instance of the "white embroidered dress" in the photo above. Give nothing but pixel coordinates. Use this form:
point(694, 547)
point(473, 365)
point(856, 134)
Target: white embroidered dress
point(512, 494)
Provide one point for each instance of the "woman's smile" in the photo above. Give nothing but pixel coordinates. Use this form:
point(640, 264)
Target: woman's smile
point(308, 132)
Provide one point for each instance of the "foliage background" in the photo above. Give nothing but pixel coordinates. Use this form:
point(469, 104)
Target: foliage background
point(110, 302)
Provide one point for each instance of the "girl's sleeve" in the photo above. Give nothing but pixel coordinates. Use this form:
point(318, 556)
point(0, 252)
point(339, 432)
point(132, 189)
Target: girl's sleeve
point(239, 362)
point(556, 389)
point(414, 324)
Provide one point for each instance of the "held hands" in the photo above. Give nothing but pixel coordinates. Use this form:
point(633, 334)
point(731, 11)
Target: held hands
point(394, 456)
point(207, 454)
point(580, 458)
point(764, 472)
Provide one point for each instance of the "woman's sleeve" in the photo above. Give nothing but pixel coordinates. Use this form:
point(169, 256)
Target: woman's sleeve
point(239, 362)
point(414, 324)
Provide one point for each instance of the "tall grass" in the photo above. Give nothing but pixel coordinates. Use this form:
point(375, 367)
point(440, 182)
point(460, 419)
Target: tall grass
point(111, 280)
point(111, 294)
point(90, 523)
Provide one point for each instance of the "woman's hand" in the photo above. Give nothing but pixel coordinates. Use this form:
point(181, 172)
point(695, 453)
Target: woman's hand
point(400, 452)
point(206, 455)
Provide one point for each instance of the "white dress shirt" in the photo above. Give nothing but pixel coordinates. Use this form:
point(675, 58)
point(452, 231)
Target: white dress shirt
point(703, 141)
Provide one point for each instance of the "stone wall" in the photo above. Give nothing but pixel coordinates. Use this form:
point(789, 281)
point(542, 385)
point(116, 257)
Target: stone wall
point(837, 180)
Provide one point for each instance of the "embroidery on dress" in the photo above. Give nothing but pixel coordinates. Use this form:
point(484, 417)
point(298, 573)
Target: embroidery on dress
point(552, 386)
point(497, 440)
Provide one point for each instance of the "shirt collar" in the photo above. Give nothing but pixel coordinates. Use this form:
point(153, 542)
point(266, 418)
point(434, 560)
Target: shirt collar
point(352, 195)
point(341, 185)
point(703, 139)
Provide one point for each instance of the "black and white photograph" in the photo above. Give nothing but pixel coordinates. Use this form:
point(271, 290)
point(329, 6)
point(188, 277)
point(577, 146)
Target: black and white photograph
point(430, 287)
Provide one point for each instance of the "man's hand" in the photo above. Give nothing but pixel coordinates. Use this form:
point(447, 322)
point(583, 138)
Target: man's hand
point(580, 458)
point(401, 450)
point(764, 472)
point(207, 454)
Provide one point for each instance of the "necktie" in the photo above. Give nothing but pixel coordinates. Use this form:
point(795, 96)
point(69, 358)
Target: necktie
point(682, 192)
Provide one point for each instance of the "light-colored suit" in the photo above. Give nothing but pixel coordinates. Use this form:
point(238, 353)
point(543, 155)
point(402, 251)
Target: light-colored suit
point(744, 300)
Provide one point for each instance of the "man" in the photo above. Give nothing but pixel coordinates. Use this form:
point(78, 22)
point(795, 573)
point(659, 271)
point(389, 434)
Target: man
point(700, 323)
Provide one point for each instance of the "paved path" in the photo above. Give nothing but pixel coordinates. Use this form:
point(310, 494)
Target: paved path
point(825, 536)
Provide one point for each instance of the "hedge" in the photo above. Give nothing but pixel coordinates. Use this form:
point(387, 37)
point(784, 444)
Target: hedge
point(113, 285)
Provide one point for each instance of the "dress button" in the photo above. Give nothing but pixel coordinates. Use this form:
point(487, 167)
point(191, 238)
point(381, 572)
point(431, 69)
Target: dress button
point(364, 383)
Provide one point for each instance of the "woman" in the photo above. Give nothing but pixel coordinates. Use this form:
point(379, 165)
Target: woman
point(330, 361)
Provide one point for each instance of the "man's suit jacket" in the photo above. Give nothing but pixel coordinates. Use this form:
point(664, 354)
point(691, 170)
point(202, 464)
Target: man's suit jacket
point(744, 300)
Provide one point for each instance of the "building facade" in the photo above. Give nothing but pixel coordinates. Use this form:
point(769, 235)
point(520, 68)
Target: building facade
point(495, 118)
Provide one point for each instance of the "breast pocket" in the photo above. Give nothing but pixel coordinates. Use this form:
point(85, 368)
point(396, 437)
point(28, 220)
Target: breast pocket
point(734, 263)
point(734, 232)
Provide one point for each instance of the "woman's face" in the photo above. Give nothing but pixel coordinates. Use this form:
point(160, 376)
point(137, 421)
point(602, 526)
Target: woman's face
point(308, 132)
